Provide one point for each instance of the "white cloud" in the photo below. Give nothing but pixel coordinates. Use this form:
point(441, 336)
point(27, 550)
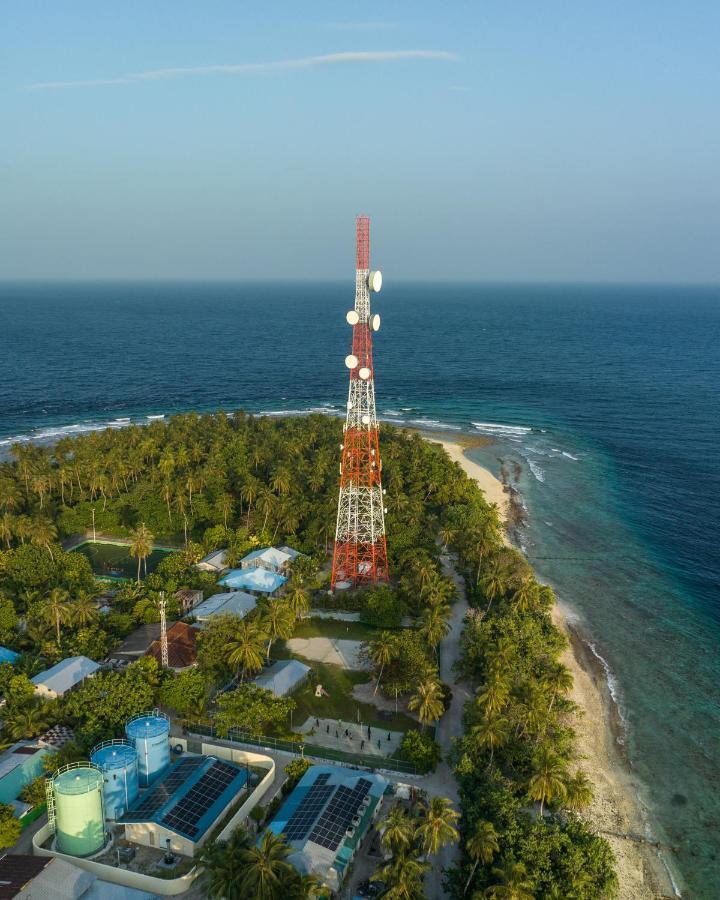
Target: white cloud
point(307, 62)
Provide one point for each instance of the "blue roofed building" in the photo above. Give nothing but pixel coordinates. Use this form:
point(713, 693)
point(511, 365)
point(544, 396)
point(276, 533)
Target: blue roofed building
point(8, 656)
point(326, 817)
point(260, 580)
point(185, 804)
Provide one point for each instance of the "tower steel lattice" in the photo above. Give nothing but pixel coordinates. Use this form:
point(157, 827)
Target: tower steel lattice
point(360, 554)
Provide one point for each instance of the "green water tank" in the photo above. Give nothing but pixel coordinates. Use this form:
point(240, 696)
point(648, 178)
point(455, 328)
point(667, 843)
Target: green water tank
point(79, 814)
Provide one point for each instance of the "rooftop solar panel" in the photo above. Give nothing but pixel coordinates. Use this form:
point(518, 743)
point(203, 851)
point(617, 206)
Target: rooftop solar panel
point(188, 811)
point(302, 820)
point(334, 822)
point(153, 799)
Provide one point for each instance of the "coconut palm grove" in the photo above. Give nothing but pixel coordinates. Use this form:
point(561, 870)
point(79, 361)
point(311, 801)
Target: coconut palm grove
point(99, 530)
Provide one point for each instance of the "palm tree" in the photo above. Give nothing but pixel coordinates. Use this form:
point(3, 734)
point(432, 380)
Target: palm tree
point(428, 701)
point(494, 582)
point(221, 860)
point(513, 883)
point(7, 528)
point(494, 695)
point(578, 791)
point(26, 722)
point(481, 847)
point(526, 594)
point(434, 624)
point(297, 599)
point(265, 867)
point(558, 680)
point(277, 621)
point(548, 779)
point(83, 610)
point(141, 546)
point(56, 609)
point(438, 825)
point(448, 534)
point(381, 651)
point(398, 830)
point(492, 732)
point(403, 876)
point(245, 650)
point(43, 533)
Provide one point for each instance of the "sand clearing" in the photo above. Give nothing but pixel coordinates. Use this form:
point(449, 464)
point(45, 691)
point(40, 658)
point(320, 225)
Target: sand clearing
point(326, 650)
point(616, 807)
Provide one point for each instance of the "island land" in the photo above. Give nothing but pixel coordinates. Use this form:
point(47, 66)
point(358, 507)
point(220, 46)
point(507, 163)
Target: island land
point(615, 812)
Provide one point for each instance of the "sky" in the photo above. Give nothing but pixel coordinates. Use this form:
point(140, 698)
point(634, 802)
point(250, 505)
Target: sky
point(488, 140)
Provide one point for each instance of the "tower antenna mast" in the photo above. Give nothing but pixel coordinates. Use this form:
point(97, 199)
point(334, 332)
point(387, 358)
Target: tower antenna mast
point(163, 632)
point(360, 553)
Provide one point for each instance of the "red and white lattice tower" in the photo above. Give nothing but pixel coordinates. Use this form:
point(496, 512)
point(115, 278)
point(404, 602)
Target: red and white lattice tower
point(360, 555)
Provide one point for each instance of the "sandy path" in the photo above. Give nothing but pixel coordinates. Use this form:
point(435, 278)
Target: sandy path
point(615, 810)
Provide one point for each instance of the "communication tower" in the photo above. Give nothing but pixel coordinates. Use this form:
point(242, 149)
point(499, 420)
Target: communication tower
point(360, 554)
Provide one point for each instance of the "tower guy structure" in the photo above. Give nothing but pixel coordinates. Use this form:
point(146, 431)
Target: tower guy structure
point(360, 554)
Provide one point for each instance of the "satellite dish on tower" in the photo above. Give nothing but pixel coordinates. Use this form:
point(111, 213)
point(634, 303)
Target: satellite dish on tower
point(351, 361)
point(375, 281)
point(364, 373)
point(352, 317)
point(375, 322)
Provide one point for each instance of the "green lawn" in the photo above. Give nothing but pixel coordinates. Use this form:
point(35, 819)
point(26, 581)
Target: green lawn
point(335, 628)
point(339, 682)
point(113, 559)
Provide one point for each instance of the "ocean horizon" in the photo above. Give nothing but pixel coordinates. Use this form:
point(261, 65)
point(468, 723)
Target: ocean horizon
point(599, 402)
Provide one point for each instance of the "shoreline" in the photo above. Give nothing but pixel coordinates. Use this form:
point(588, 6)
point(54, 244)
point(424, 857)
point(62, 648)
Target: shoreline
point(616, 811)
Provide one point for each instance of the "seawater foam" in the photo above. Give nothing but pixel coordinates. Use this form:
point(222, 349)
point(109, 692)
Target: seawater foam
point(497, 428)
point(536, 470)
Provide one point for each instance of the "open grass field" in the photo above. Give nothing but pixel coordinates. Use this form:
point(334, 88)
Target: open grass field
point(335, 629)
point(340, 704)
point(111, 560)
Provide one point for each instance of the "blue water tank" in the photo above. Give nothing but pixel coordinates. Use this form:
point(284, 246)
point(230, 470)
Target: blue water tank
point(149, 733)
point(118, 761)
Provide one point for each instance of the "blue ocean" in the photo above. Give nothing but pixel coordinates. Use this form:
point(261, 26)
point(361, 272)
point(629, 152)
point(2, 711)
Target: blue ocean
point(606, 398)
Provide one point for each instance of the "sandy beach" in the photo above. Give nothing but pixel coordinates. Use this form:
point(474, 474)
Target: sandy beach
point(615, 812)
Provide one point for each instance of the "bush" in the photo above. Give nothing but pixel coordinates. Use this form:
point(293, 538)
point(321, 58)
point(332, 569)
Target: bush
point(34, 792)
point(10, 827)
point(420, 750)
point(257, 813)
point(383, 608)
point(295, 771)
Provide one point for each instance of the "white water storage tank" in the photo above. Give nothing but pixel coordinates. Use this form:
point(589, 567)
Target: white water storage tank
point(118, 761)
point(149, 734)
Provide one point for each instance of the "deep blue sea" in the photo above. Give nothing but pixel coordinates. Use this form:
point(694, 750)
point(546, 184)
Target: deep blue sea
point(607, 397)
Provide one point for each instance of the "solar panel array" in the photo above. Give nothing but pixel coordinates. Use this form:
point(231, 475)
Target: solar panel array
point(188, 811)
point(334, 822)
point(304, 817)
point(152, 800)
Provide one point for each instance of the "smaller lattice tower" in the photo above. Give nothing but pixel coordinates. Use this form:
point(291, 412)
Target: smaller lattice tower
point(360, 554)
point(163, 632)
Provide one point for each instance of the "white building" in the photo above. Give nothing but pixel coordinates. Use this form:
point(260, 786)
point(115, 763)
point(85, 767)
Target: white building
point(63, 677)
point(283, 677)
point(273, 559)
point(213, 562)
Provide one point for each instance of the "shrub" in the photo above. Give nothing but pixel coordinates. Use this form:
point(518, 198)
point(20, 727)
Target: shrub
point(420, 750)
point(295, 771)
point(383, 608)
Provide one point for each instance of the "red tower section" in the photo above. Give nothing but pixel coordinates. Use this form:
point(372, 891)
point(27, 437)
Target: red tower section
point(360, 554)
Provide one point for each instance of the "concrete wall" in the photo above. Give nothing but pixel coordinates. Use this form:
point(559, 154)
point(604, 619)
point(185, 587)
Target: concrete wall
point(159, 886)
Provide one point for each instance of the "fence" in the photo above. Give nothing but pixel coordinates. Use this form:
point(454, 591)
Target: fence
point(268, 742)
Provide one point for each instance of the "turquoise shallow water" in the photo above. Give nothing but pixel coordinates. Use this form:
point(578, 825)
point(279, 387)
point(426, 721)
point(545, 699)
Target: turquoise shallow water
point(605, 396)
